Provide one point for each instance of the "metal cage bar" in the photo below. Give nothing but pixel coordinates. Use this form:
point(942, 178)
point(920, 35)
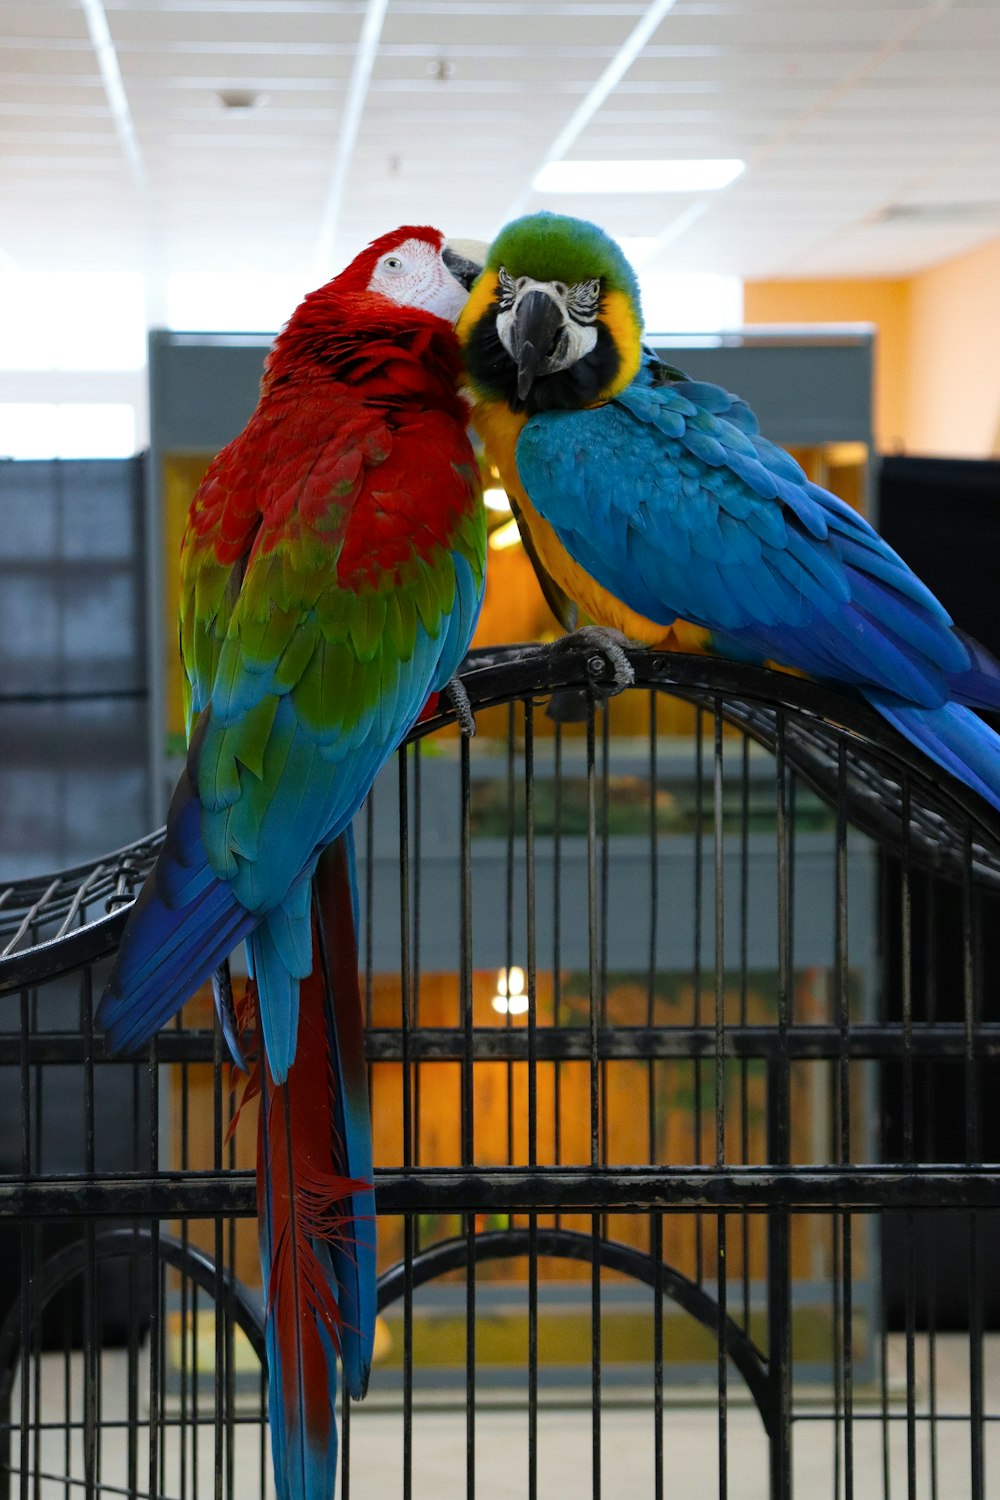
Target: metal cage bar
point(666, 1189)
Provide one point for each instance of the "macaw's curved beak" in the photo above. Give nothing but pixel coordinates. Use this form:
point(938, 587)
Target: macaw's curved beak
point(465, 271)
point(538, 325)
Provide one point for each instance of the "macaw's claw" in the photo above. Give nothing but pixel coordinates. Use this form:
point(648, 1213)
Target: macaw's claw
point(608, 669)
point(454, 691)
point(606, 648)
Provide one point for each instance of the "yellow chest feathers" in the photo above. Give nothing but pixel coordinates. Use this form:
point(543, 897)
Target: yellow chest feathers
point(499, 429)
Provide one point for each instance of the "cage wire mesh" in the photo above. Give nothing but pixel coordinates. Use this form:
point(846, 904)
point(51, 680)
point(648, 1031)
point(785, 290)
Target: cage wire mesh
point(671, 1015)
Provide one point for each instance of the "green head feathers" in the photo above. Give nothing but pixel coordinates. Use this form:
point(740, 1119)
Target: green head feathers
point(555, 247)
point(555, 321)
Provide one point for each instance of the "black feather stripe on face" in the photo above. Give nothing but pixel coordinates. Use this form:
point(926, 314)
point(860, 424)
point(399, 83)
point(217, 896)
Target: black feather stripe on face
point(494, 374)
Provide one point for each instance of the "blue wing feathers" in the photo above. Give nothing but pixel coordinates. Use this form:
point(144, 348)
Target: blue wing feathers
point(909, 624)
point(977, 685)
point(165, 955)
point(806, 537)
point(671, 500)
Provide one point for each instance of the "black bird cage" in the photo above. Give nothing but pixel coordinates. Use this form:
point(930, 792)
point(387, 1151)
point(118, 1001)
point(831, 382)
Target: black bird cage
point(682, 1052)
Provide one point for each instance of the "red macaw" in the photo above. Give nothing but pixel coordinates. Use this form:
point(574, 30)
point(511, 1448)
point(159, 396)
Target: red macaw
point(332, 576)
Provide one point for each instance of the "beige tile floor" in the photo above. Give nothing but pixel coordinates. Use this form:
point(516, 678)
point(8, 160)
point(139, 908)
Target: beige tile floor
point(691, 1438)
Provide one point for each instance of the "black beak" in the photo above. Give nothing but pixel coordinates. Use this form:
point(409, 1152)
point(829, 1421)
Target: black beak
point(464, 271)
point(538, 322)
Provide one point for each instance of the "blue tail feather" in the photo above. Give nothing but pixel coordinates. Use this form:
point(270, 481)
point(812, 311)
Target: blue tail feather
point(952, 736)
point(271, 947)
point(165, 956)
point(979, 685)
point(170, 945)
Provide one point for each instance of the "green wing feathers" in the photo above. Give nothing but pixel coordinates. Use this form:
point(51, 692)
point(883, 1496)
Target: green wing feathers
point(314, 624)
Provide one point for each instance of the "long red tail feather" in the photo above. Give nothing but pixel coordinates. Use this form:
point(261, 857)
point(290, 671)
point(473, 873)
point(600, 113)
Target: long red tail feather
point(304, 1209)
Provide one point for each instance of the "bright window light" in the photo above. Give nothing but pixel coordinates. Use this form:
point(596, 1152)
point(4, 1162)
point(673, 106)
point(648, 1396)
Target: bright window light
point(247, 302)
point(86, 320)
point(691, 304)
point(38, 429)
point(637, 176)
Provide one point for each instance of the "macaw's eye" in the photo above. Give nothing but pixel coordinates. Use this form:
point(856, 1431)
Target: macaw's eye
point(393, 263)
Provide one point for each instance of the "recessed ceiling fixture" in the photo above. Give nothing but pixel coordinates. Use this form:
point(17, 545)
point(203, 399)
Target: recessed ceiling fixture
point(637, 176)
point(240, 99)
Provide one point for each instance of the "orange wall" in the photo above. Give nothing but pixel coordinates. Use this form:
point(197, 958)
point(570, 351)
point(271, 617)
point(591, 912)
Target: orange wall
point(937, 351)
point(955, 357)
point(882, 302)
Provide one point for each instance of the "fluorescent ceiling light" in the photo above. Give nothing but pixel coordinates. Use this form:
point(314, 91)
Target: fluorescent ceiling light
point(595, 96)
point(347, 131)
point(114, 88)
point(637, 176)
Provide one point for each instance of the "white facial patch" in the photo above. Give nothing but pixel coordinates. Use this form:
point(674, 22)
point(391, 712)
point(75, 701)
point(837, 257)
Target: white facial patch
point(414, 275)
point(576, 339)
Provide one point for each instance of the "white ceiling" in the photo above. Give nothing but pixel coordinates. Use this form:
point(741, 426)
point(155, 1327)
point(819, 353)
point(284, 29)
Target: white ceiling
point(871, 130)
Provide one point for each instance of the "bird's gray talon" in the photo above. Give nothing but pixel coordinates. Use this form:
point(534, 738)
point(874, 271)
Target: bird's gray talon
point(609, 646)
point(459, 699)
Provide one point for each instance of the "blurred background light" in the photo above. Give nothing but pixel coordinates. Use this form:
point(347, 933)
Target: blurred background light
point(638, 248)
point(510, 999)
point(507, 535)
point(691, 303)
point(39, 429)
point(85, 320)
point(225, 302)
point(664, 176)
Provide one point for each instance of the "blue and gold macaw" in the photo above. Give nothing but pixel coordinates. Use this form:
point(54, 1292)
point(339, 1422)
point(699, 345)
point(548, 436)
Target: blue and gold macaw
point(653, 502)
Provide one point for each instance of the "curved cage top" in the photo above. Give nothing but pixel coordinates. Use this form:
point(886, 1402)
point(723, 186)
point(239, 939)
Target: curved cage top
point(841, 749)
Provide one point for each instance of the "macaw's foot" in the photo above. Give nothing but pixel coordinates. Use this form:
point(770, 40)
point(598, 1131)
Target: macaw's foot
point(456, 695)
point(609, 669)
point(609, 646)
